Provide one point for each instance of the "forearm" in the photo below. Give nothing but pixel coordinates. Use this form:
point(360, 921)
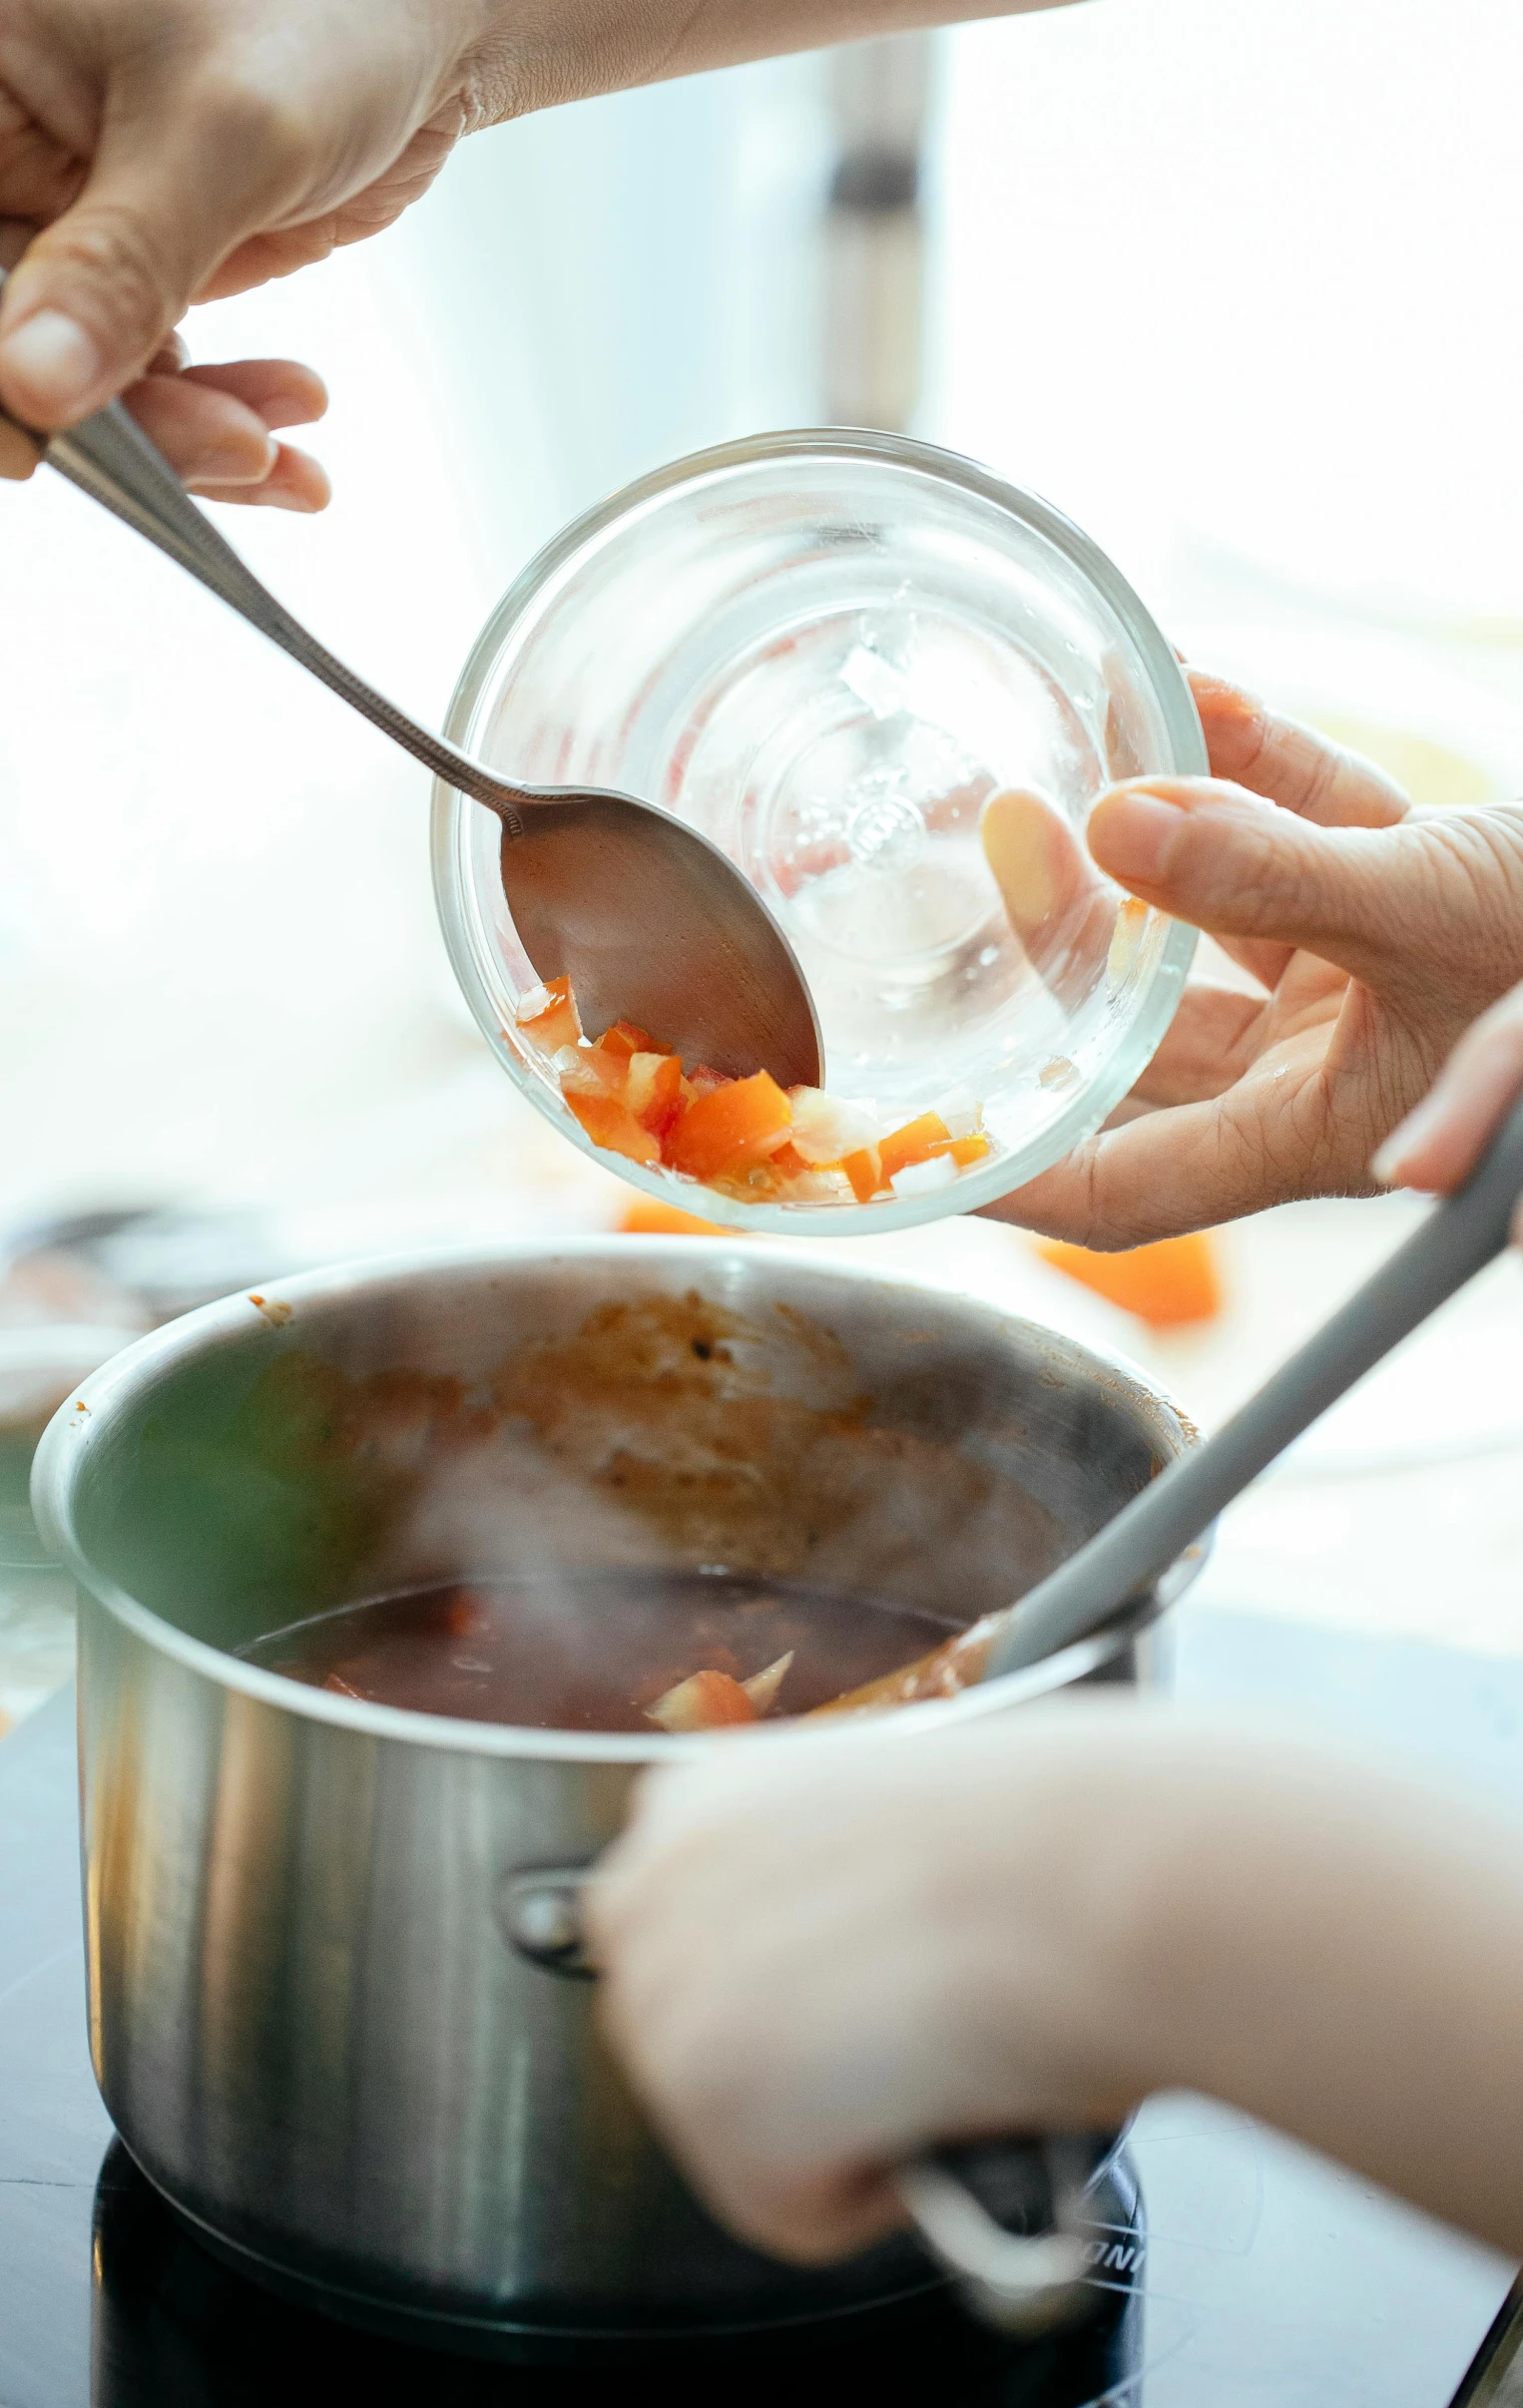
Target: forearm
point(549, 53)
point(1034, 1921)
point(1340, 1954)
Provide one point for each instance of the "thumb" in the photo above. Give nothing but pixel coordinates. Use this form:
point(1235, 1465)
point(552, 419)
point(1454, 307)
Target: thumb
point(1237, 867)
point(179, 178)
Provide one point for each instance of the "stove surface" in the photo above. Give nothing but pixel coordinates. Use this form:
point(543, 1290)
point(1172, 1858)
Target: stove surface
point(1270, 2276)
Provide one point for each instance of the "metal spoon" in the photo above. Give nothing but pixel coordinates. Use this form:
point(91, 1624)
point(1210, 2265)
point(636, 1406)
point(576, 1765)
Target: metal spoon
point(650, 922)
point(1134, 1550)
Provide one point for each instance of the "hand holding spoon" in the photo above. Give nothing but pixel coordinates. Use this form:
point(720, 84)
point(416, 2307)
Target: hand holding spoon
point(649, 921)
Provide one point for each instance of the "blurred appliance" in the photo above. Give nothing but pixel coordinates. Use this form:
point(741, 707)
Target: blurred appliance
point(874, 238)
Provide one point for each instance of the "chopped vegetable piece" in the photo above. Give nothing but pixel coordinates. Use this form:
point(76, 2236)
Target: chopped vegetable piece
point(924, 1177)
point(726, 1132)
point(825, 1128)
point(644, 1217)
point(652, 1090)
point(547, 1016)
point(583, 1070)
point(962, 1114)
point(631, 1095)
point(789, 1163)
point(865, 1169)
point(1168, 1285)
point(762, 1687)
point(623, 1037)
point(704, 1702)
point(963, 1149)
point(916, 1142)
point(613, 1125)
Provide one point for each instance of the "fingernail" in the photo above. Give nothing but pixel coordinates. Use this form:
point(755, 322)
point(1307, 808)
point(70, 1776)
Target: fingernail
point(54, 361)
point(1137, 831)
point(1386, 1162)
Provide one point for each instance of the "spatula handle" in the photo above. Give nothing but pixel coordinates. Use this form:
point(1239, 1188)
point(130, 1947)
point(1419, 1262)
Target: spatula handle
point(1459, 1238)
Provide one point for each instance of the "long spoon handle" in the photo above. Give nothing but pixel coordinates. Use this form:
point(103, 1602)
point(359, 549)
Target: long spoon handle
point(1458, 1239)
point(111, 459)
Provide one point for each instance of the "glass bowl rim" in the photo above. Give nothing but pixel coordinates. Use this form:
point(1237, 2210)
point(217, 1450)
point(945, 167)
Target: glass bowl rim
point(974, 1189)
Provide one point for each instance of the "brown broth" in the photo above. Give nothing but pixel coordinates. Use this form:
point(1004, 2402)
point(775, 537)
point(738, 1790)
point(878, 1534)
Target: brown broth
point(591, 1651)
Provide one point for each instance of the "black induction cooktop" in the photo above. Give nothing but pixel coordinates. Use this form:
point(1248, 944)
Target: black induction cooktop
point(1241, 2272)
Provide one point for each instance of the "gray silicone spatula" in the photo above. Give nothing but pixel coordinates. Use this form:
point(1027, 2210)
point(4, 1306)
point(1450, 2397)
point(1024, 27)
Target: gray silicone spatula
point(1121, 1562)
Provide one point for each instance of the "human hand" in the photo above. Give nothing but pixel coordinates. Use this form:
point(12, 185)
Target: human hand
point(822, 1954)
point(1375, 934)
point(176, 151)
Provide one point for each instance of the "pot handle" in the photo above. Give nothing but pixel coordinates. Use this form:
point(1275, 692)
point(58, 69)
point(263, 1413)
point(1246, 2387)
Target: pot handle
point(1025, 2283)
point(1020, 2282)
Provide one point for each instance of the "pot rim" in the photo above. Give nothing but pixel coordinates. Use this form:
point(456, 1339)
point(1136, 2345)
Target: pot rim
point(81, 1425)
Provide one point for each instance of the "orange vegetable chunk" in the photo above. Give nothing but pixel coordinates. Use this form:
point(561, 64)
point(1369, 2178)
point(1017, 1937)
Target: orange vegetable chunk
point(1169, 1285)
point(704, 1702)
point(916, 1142)
point(614, 1127)
point(644, 1217)
point(652, 1090)
point(549, 1017)
point(789, 1163)
point(585, 1070)
point(626, 1039)
point(963, 1149)
point(732, 1129)
point(865, 1169)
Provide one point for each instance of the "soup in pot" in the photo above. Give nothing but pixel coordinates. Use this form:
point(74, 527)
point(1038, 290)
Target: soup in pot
point(609, 1651)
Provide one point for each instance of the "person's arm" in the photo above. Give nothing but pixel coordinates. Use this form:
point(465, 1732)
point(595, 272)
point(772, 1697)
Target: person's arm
point(823, 1956)
point(170, 150)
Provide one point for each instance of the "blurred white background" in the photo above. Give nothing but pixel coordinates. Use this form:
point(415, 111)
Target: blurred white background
point(1232, 282)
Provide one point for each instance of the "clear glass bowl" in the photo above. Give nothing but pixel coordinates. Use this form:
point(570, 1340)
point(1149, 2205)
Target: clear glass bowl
point(826, 650)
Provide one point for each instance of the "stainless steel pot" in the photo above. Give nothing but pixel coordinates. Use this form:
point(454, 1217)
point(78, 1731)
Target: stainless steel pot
point(307, 2015)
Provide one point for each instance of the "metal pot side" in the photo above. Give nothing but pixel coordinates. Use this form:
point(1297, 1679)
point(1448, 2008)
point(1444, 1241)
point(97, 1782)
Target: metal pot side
point(305, 2017)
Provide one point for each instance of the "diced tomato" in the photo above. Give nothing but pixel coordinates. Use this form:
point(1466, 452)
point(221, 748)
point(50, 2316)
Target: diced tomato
point(730, 1129)
point(614, 1127)
point(652, 1090)
point(644, 1217)
point(916, 1142)
point(963, 1149)
point(548, 1016)
point(625, 1038)
point(704, 1702)
point(865, 1169)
